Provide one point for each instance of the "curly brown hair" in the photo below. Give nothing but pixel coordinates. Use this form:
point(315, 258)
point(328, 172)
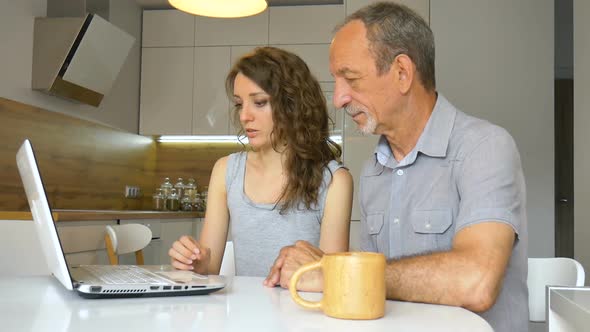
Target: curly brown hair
point(300, 117)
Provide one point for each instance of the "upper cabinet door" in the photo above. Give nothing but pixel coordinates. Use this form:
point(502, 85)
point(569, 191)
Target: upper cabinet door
point(422, 7)
point(304, 24)
point(165, 28)
point(251, 30)
point(316, 56)
point(166, 102)
point(211, 104)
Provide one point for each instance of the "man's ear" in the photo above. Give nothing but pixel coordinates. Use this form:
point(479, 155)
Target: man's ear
point(404, 72)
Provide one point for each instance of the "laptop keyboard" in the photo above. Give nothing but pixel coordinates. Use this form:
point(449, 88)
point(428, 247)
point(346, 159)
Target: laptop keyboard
point(121, 274)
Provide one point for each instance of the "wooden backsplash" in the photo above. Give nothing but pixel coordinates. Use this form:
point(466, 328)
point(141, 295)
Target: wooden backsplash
point(86, 165)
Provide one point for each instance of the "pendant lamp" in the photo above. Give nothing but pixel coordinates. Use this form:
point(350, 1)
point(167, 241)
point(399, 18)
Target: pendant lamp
point(220, 8)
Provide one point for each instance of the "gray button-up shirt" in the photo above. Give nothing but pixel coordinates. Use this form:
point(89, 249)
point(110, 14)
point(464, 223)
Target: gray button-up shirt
point(462, 171)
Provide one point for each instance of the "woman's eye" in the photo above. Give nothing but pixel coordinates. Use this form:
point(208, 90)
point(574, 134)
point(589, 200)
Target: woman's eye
point(237, 106)
point(260, 103)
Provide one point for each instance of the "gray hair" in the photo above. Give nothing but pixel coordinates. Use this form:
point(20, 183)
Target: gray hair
point(394, 29)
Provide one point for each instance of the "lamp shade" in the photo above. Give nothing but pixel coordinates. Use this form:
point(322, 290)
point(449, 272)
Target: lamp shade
point(220, 8)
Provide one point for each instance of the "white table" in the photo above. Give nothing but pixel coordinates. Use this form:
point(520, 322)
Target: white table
point(568, 308)
point(42, 304)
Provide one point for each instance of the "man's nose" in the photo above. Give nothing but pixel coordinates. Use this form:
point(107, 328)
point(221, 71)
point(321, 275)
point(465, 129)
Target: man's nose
point(341, 95)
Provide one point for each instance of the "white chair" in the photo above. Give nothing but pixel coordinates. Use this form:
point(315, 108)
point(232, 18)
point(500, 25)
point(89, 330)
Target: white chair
point(124, 239)
point(555, 271)
point(228, 266)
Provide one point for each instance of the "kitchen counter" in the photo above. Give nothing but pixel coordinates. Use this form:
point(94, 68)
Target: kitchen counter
point(82, 215)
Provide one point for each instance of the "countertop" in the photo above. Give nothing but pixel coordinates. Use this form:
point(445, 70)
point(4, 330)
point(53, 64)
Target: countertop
point(39, 304)
point(569, 308)
point(84, 215)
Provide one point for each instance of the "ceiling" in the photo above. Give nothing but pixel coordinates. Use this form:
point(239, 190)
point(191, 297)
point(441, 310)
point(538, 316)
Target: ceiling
point(162, 4)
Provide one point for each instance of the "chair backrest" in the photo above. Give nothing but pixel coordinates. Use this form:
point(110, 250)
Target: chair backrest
point(124, 239)
point(228, 266)
point(555, 271)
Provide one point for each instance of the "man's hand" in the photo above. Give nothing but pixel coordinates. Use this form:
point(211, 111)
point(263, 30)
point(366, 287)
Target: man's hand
point(289, 260)
point(188, 254)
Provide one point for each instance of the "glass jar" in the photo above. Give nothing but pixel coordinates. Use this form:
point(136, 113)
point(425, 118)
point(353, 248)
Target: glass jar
point(204, 195)
point(158, 200)
point(198, 203)
point(166, 187)
point(190, 189)
point(179, 186)
point(186, 203)
point(172, 201)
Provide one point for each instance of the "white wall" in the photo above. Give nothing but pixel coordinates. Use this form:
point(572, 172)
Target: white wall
point(120, 108)
point(582, 134)
point(494, 60)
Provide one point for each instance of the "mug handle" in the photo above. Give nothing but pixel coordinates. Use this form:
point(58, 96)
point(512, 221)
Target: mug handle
point(293, 285)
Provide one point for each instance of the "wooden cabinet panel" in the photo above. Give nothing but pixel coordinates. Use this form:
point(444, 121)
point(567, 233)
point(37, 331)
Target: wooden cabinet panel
point(303, 24)
point(251, 30)
point(166, 103)
point(167, 28)
point(211, 104)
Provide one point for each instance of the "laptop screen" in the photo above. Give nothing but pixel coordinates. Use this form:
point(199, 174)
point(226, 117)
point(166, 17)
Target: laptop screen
point(44, 224)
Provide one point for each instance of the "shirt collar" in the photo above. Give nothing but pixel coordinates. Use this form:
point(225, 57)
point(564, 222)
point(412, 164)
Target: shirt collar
point(433, 141)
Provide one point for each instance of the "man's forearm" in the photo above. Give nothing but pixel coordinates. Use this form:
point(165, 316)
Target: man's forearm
point(450, 278)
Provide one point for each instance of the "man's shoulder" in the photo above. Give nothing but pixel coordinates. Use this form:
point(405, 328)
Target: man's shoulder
point(469, 132)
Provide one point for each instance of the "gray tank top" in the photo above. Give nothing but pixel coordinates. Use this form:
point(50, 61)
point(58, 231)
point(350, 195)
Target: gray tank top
point(259, 231)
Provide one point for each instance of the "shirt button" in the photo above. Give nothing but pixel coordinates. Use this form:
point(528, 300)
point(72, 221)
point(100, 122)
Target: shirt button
point(396, 221)
point(400, 172)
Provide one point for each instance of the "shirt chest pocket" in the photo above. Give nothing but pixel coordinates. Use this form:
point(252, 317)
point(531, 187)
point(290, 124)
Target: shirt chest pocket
point(377, 232)
point(432, 230)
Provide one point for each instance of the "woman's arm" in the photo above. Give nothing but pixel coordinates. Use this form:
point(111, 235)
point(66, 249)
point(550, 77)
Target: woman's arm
point(214, 232)
point(335, 230)
point(204, 256)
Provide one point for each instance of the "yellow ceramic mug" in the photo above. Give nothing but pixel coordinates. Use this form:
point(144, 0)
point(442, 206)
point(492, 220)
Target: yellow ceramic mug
point(354, 285)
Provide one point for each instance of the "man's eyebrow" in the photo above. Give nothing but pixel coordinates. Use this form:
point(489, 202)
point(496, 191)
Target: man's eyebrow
point(346, 70)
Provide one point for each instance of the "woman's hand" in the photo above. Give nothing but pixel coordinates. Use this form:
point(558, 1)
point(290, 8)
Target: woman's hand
point(188, 254)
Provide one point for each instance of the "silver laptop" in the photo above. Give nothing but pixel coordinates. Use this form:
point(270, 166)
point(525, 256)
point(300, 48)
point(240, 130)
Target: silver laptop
point(101, 281)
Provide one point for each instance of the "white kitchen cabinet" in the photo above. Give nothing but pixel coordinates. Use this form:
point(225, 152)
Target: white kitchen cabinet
point(166, 102)
point(251, 30)
point(172, 230)
point(83, 241)
point(422, 7)
point(167, 28)
point(337, 115)
point(304, 24)
point(211, 105)
point(316, 56)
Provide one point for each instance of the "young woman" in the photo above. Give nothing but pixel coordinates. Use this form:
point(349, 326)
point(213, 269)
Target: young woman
point(287, 186)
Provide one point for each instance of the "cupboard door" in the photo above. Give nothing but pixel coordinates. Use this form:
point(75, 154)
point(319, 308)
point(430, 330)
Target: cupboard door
point(211, 104)
point(251, 30)
point(304, 24)
point(166, 102)
point(316, 56)
point(167, 28)
point(172, 230)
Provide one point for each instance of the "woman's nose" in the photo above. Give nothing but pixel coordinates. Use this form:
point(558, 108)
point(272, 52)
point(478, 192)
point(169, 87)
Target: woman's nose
point(245, 114)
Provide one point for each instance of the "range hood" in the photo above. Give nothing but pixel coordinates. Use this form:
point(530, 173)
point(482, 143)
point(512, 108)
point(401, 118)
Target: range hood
point(78, 58)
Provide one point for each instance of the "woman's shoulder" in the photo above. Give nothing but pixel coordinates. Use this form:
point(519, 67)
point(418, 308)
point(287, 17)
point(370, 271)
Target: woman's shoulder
point(338, 172)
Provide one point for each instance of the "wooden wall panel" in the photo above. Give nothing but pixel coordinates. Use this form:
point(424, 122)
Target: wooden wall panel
point(190, 160)
point(84, 165)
